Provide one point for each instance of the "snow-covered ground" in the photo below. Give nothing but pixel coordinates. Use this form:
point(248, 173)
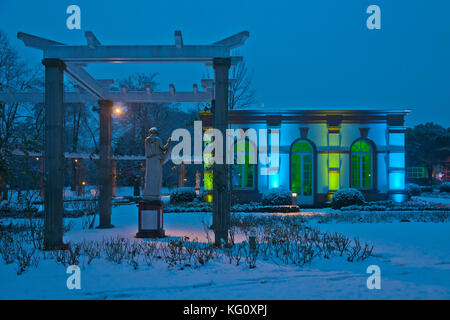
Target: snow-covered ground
point(414, 259)
point(440, 200)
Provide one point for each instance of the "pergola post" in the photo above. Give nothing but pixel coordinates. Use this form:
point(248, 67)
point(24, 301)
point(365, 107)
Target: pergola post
point(54, 156)
point(105, 168)
point(41, 178)
point(221, 190)
point(114, 177)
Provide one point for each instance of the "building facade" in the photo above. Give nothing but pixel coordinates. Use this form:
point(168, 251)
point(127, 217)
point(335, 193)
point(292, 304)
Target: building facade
point(320, 152)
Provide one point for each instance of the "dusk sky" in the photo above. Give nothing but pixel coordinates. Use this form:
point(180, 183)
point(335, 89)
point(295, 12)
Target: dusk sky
point(302, 53)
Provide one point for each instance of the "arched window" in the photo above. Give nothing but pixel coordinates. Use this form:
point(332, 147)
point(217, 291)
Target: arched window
point(302, 156)
point(243, 168)
point(362, 165)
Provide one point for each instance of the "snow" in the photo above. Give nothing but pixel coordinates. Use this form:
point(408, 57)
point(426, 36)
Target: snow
point(414, 259)
point(434, 199)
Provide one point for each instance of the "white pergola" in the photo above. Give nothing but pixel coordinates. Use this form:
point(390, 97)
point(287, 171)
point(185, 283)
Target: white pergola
point(59, 58)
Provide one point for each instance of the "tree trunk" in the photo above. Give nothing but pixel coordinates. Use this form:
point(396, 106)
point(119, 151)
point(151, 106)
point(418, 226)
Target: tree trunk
point(73, 179)
point(74, 183)
point(3, 191)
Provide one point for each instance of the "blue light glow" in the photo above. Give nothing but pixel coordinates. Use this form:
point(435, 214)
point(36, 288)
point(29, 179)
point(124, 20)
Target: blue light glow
point(397, 181)
point(398, 197)
point(274, 180)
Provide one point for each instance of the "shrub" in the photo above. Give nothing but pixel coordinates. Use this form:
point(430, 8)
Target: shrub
point(346, 197)
point(277, 196)
point(445, 187)
point(185, 194)
point(412, 189)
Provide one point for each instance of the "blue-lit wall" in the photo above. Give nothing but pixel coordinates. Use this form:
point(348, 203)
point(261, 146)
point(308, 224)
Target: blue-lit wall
point(388, 157)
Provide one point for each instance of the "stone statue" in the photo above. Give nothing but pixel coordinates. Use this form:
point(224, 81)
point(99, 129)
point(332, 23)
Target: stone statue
point(156, 155)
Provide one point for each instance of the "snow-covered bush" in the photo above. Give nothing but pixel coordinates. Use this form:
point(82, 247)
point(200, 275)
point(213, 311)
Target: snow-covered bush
point(413, 206)
point(445, 187)
point(277, 196)
point(185, 194)
point(195, 206)
point(412, 189)
point(252, 207)
point(285, 240)
point(426, 188)
point(346, 197)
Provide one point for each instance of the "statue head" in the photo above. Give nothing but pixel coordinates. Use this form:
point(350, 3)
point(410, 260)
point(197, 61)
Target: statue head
point(153, 131)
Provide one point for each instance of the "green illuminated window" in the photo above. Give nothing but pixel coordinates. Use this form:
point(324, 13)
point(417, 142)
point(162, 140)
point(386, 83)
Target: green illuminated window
point(302, 168)
point(361, 165)
point(416, 172)
point(244, 169)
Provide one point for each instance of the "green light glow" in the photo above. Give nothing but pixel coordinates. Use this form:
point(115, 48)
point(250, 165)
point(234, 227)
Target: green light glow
point(333, 139)
point(208, 182)
point(333, 160)
point(301, 168)
point(361, 165)
point(243, 169)
point(333, 180)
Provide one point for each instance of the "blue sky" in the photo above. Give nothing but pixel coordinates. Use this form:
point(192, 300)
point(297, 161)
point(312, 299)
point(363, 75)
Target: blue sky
point(303, 53)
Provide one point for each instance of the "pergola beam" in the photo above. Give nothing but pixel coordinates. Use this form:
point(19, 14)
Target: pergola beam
point(116, 96)
point(95, 52)
point(86, 80)
point(234, 41)
point(92, 40)
point(75, 155)
point(178, 39)
point(129, 54)
point(76, 72)
point(36, 42)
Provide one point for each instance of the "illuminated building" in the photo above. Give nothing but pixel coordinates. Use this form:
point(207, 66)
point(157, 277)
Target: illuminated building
point(322, 151)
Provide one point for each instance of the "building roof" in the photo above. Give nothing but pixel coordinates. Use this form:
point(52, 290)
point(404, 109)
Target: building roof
point(332, 116)
point(323, 110)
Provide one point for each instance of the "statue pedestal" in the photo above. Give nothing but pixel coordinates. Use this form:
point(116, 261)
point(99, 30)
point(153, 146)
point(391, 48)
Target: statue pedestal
point(150, 219)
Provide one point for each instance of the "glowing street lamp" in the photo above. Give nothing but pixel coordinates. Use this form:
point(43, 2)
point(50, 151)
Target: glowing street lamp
point(117, 110)
point(294, 198)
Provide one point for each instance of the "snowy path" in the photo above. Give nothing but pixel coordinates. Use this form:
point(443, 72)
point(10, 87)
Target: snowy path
point(414, 259)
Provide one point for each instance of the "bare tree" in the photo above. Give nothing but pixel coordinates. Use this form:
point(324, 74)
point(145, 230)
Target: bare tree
point(241, 94)
point(14, 76)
